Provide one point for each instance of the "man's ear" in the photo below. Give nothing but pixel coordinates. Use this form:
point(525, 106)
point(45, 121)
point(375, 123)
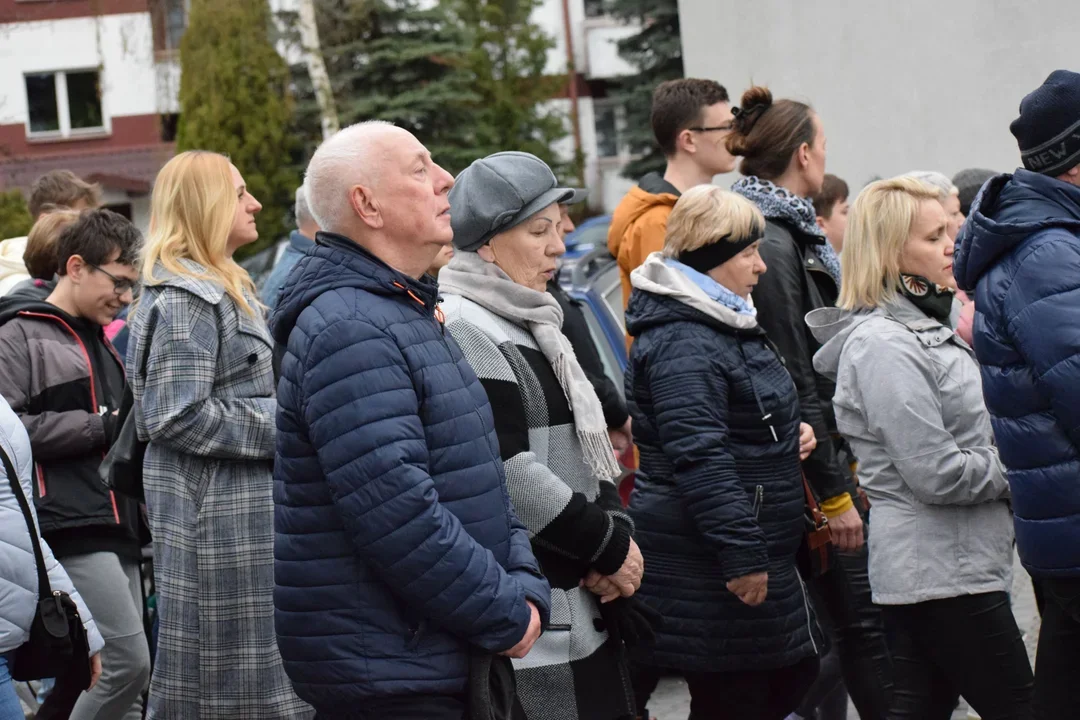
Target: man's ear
point(76, 268)
point(366, 206)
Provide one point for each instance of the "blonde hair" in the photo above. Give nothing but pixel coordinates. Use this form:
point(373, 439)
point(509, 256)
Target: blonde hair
point(40, 254)
point(191, 213)
point(706, 214)
point(879, 224)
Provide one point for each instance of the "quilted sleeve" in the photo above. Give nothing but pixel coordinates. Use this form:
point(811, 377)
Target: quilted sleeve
point(53, 435)
point(1041, 314)
point(178, 408)
point(361, 410)
point(690, 401)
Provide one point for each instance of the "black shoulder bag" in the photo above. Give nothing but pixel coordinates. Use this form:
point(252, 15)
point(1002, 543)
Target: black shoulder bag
point(122, 468)
point(57, 646)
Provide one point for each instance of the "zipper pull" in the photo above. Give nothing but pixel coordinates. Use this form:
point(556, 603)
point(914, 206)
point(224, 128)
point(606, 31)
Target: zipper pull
point(765, 419)
point(759, 497)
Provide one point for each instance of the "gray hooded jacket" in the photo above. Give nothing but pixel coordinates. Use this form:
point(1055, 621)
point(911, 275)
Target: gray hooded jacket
point(909, 400)
point(18, 579)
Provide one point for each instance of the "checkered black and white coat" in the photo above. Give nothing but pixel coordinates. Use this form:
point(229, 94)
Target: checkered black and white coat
point(575, 521)
point(208, 411)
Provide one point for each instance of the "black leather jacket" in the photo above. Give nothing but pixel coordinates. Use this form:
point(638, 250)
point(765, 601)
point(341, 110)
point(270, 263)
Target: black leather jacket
point(795, 283)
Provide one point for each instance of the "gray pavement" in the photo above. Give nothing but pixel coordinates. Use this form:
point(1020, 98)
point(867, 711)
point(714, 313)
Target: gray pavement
point(672, 701)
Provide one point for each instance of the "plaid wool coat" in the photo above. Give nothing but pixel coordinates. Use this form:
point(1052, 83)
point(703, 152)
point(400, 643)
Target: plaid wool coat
point(207, 410)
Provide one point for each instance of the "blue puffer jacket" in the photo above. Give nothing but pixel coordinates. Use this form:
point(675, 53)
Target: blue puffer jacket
point(700, 383)
point(1020, 253)
point(396, 546)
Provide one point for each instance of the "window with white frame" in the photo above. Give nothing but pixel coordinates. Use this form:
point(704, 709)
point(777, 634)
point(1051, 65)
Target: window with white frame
point(64, 104)
point(607, 122)
point(595, 8)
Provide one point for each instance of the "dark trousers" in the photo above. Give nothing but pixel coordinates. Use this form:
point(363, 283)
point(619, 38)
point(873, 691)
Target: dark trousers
point(965, 646)
point(758, 694)
point(410, 707)
point(856, 631)
point(1057, 677)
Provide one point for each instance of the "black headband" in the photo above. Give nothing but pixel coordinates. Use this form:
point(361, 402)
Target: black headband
point(716, 253)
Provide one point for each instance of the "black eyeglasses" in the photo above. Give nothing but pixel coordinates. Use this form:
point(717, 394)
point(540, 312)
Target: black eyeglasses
point(725, 127)
point(120, 285)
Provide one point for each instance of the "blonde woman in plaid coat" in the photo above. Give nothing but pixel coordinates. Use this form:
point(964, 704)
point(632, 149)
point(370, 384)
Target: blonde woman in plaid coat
point(207, 407)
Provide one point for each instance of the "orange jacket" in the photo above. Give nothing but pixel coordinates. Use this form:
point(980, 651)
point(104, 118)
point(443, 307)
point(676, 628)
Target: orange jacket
point(639, 224)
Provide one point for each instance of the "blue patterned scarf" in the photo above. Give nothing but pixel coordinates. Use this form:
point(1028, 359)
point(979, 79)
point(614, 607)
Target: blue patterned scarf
point(713, 289)
point(777, 203)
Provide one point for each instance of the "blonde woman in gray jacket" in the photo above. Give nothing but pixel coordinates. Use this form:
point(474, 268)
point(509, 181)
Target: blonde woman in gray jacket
point(18, 573)
point(909, 400)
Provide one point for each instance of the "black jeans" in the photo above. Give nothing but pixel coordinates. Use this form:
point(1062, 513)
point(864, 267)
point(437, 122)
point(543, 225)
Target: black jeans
point(965, 646)
point(1057, 684)
point(846, 612)
point(758, 694)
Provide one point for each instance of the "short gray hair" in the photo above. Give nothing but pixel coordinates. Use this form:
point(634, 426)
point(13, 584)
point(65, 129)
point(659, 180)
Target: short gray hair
point(301, 209)
point(938, 181)
point(341, 161)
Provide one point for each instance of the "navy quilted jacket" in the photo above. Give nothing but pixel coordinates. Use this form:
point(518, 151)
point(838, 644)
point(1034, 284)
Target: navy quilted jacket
point(396, 545)
point(700, 381)
point(1019, 252)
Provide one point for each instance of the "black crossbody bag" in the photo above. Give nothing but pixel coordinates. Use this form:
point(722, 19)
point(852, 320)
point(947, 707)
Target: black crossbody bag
point(58, 646)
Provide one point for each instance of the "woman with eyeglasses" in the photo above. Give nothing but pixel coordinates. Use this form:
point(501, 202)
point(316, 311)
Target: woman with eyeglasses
point(207, 407)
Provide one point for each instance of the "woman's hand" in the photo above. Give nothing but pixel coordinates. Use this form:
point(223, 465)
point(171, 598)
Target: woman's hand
point(95, 670)
point(751, 589)
point(807, 441)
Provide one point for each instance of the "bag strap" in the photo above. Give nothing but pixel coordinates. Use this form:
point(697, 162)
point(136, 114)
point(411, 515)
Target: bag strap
point(44, 588)
point(820, 519)
point(149, 338)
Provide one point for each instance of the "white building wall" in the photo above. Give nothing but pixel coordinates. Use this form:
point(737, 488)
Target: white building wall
point(122, 45)
point(899, 85)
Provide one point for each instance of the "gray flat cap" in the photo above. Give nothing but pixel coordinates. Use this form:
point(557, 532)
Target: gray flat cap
point(499, 192)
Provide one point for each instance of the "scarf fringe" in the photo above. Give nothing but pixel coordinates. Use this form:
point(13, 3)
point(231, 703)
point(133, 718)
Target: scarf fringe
point(596, 446)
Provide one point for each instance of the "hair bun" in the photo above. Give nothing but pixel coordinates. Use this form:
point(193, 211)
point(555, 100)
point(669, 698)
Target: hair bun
point(755, 101)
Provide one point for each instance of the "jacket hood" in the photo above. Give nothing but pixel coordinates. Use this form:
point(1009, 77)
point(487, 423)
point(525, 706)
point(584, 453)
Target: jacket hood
point(668, 295)
point(832, 327)
point(335, 262)
point(10, 306)
point(1008, 210)
point(652, 192)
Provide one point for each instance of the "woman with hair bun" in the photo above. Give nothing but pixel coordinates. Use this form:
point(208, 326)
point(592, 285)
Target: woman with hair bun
point(782, 146)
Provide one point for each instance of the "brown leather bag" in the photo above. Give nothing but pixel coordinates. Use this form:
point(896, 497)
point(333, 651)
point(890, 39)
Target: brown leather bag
point(813, 556)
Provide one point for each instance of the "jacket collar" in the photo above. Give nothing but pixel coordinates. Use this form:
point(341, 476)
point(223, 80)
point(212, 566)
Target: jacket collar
point(207, 290)
point(300, 242)
point(929, 331)
point(394, 280)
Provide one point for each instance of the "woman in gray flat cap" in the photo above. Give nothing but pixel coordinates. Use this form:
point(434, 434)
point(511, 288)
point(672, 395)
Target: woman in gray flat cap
point(559, 462)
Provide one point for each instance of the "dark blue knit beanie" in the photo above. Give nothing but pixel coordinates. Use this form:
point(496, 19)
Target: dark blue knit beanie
point(1048, 129)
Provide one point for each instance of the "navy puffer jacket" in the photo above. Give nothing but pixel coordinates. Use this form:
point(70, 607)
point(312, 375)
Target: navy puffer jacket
point(1019, 252)
point(396, 546)
point(700, 381)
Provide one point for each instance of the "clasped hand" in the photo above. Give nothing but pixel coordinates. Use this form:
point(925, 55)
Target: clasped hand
point(625, 581)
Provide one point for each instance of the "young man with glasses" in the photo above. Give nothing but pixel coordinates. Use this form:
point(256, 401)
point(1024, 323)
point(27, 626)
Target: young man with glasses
point(65, 381)
point(690, 120)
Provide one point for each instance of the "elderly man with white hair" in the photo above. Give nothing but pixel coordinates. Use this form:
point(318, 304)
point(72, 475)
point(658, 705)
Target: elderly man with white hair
point(404, 580)
point(301, 240)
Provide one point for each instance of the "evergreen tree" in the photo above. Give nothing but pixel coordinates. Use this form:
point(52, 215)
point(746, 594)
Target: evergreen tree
point(656, 52)
point(15, 220)
point(507, 59)
point(465, 76)
point(234, 99)
point(393, 60)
